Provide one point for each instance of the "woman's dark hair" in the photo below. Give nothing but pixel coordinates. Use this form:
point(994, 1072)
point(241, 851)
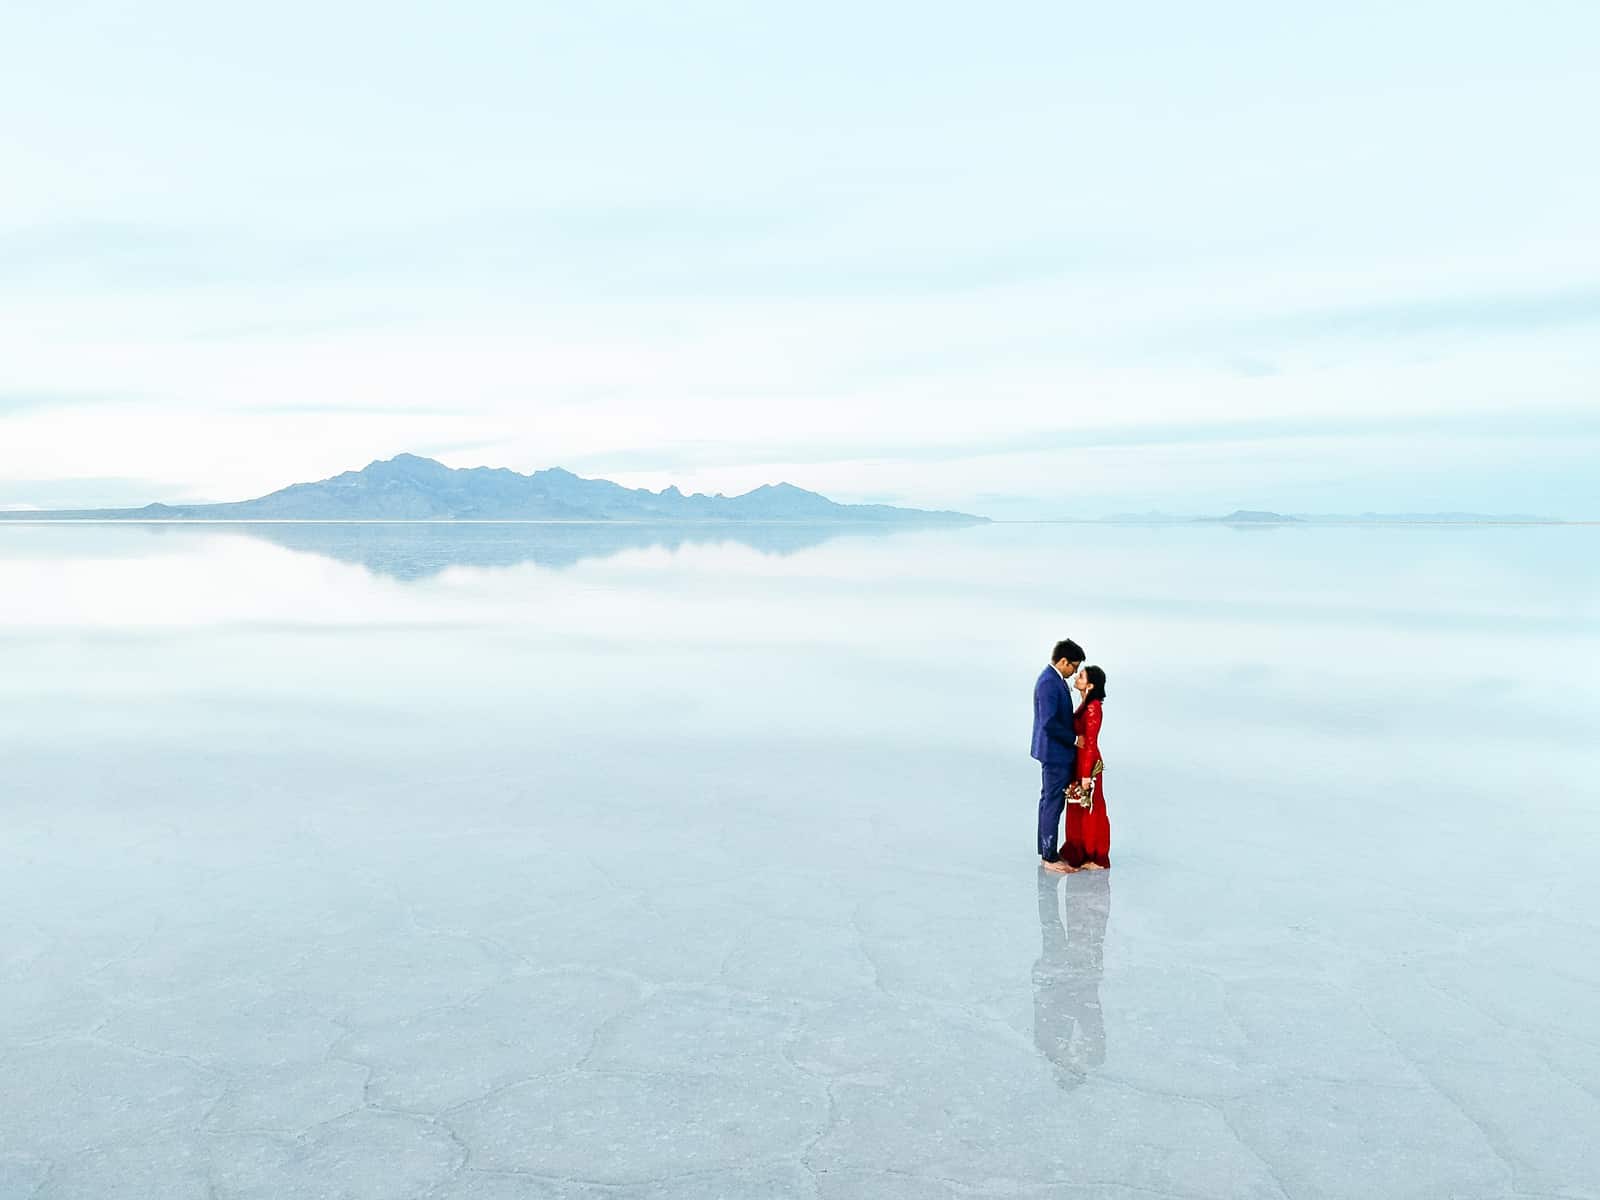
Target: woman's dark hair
point(1097, 684)
point(1069, 650)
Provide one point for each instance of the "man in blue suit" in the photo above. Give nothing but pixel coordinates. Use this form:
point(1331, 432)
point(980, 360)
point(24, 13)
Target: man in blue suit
point(1055, 742)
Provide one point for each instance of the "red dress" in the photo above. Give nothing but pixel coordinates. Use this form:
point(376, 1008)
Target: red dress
point(1087, 837)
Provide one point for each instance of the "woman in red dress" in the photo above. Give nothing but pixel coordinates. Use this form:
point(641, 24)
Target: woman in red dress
point(1086, 841)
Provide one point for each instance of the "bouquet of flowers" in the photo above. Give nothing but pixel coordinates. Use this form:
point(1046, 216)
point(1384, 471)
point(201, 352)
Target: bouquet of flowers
point(1082, 792)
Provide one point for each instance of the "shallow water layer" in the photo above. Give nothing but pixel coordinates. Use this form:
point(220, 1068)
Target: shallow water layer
point(504, 862)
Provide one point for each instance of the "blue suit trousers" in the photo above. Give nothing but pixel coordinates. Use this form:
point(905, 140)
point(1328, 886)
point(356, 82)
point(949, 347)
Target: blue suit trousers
point(1052, 799)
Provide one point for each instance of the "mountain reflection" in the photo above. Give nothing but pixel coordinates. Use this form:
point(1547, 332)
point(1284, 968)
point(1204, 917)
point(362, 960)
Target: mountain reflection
point(411, 552)
point(1068, 1026)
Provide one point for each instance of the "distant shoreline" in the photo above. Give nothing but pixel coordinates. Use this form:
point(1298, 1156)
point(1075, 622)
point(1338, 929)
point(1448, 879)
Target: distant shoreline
point(30, 517)
point(1215, 522)
point(25, 517)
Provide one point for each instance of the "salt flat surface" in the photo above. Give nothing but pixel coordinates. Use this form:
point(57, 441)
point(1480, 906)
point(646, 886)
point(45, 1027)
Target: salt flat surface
point(503, 863)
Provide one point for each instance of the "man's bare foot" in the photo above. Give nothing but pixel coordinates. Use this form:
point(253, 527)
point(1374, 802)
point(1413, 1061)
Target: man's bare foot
point(1058, 868)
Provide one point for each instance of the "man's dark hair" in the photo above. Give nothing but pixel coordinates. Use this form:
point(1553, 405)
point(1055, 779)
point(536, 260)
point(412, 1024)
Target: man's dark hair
point(1097, 684)
point(1069, 650)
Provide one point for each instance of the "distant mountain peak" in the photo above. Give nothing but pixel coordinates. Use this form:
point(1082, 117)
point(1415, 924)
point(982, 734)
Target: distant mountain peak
point(1252, 516)
point(408, 466)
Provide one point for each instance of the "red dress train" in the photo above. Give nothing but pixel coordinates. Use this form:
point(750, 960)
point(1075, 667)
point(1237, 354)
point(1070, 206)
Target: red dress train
point(1087, 837)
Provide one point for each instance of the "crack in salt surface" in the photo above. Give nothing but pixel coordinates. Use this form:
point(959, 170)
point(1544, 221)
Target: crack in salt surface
point(632, 1007)
point(1428, 1082)
point(863, 943)
point(1250, 1148)
point(438, 1125)
point(613, 1185)
point(167, 1055)
point(1015, 1188)
point(44, 1181)
point(1494, 1018)
point(1425, 1080)
point(1561, 1068)
point(831, 1121)
point(499, 953)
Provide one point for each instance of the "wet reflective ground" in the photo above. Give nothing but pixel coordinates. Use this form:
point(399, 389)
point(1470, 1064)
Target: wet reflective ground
point(503, 862)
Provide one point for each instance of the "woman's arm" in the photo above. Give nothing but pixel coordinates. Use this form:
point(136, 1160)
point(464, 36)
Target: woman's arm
point(1089, 741)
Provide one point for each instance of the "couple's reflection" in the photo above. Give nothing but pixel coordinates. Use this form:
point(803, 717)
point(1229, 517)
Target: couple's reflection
point(1068, 1027)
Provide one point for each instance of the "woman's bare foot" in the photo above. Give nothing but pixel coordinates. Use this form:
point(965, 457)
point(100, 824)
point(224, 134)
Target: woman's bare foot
point(1091, 867)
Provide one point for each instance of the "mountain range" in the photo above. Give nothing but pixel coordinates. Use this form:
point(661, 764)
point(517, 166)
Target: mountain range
point(411, 488)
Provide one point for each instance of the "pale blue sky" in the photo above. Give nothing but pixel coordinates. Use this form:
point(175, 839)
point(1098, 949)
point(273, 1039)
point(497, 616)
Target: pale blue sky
point(1030, 260)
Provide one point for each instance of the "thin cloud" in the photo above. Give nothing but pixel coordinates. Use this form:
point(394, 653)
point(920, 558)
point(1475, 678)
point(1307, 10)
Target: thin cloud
point(1579, 423)
point(107, 492)
point(1500, 312)
point(28, 400)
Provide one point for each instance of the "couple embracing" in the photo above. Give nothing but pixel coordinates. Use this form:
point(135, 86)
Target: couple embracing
point(1067, 746)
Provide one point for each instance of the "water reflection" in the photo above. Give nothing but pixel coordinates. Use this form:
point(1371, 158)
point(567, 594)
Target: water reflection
point(419, 551)
point(1068, 1027)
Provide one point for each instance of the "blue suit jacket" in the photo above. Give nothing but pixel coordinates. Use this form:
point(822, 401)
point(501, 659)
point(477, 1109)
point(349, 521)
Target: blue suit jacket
point(1054, 739)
